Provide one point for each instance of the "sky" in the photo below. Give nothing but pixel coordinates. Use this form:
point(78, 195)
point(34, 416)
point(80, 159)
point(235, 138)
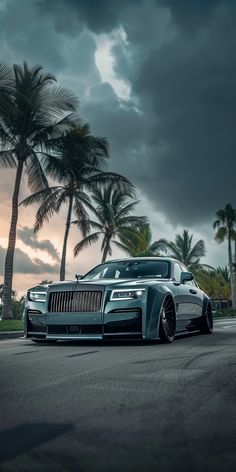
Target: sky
point(157, 79)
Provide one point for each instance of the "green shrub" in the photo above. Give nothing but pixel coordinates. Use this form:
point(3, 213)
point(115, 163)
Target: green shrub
point(17, 309)
point(226, 312)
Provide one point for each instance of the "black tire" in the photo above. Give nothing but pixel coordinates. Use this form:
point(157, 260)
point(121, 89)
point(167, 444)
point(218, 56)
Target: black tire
point(43, 341)
point(207, 321)
point(167, 323)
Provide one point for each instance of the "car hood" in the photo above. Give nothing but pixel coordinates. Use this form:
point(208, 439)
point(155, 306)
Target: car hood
point(105, 283)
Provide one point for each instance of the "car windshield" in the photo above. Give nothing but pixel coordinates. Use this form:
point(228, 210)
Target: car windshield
point(130, 270)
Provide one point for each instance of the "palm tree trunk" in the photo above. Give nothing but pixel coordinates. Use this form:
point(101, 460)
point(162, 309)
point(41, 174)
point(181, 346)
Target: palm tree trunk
point(233, 280)
point(63, 256)
point(106, 249)
point(232, 273)
point(230, 256)
point(8, 273)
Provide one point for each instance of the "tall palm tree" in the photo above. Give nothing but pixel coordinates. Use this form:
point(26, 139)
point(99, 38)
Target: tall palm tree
point(113, 208)
point(224, 223)
point(138, 243)
point(182, 248)
point(33, 110)
point(78, 167)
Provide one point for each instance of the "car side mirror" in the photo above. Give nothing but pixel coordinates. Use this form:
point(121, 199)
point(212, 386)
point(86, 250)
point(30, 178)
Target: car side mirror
point(186, 277)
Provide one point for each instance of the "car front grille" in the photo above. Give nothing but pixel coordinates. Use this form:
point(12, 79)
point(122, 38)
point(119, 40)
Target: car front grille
point(75, 329)
point(79, 301)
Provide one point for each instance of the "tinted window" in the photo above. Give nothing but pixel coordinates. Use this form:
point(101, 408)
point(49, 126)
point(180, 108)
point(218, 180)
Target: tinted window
point(130, 270)
point(177, 272)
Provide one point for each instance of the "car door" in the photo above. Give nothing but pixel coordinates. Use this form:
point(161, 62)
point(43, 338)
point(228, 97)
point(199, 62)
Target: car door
point(183, 299)
point(193, 300)
point(188, 298)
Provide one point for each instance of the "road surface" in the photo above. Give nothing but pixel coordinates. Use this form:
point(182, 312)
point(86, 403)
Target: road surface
point(120, 406)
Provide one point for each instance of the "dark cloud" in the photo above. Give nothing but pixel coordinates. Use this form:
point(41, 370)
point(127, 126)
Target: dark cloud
point(174, 137)
point(191, 15)
point(29, 238)
point(23, 264)
point(99, 16)
point(188, 87)
point(24, 37)
point(178, 143)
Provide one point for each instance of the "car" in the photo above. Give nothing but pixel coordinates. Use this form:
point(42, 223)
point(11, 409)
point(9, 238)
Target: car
point(148, 298)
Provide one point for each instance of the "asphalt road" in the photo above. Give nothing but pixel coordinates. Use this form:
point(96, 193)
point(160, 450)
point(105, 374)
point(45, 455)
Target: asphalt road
point(120, 406)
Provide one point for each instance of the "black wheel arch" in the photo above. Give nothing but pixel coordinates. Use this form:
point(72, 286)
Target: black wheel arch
point(168, 295)
point(206, 304)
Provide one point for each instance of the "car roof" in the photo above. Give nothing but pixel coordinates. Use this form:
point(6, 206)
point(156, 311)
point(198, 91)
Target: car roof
point(153, 258)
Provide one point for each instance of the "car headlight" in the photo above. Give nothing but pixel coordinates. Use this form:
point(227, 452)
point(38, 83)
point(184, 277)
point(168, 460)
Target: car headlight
point(37, 296)
point(127, 294)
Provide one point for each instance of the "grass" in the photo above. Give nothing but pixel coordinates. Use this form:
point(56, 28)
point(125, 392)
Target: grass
point(226, 313)
point(11, 325)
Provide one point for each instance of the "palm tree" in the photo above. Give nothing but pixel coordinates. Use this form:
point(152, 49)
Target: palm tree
point(34, 113)
point(183, 250)
point(224, 223)
point(224, 272)
point(77, 167)
point(113, 208)
point(213, 283)
point(138, 243)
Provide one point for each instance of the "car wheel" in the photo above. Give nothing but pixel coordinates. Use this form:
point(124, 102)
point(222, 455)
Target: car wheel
point(43, 341)
point(167, 324)
point(207, 321)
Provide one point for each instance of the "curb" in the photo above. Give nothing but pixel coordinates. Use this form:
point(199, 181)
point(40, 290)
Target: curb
point(11, 334)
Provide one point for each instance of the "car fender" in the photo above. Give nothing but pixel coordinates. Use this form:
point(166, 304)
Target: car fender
point(156, 296)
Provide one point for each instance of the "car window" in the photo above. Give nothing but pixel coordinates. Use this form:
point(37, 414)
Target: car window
point(191, 283)
point(177, 272)
point(131, 269)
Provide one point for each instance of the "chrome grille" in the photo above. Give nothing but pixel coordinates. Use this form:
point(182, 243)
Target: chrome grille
point(80, 301)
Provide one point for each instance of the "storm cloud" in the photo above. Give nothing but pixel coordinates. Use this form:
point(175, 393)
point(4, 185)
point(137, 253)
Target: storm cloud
point(29, 238)
point(23, 264)
point(173, 135)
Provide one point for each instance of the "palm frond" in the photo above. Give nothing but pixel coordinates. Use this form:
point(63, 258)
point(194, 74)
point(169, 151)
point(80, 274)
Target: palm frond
point(87, 241)
point(36, 177)
point(83, 221)
point(7, 159)
point(118, 181)
point(124, 210)
point(198, 250)
point(221, 234)
point(56, 99)
point(134, 221)
point(48, 207)
point(40, 196)
point(122, 246)
point(93, 224)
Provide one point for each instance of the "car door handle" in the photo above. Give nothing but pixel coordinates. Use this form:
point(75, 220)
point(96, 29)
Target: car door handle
point(194, 292)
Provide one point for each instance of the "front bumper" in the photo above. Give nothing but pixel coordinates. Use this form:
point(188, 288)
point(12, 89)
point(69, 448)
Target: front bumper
point(115, 324)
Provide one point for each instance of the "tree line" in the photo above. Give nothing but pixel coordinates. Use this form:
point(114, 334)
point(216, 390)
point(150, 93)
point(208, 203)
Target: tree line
point(43, 135)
